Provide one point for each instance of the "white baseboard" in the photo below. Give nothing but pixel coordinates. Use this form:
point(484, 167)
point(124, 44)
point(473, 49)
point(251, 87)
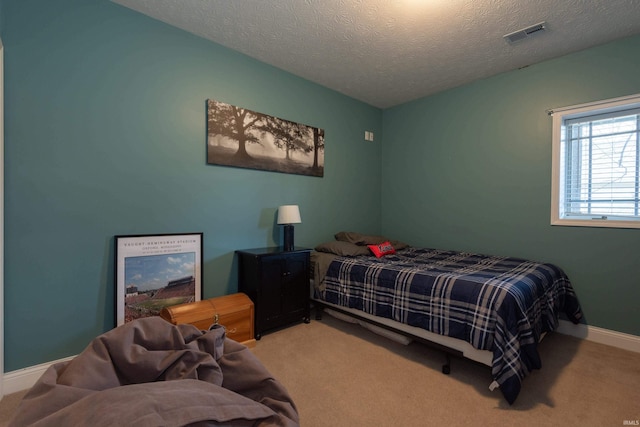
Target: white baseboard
point(23, 379)
point(600, 335)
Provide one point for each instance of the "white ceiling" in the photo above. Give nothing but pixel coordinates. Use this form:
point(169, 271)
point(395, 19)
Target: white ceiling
point(387, 52)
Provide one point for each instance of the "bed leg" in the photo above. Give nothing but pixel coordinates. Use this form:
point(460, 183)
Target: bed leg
point(446, 368)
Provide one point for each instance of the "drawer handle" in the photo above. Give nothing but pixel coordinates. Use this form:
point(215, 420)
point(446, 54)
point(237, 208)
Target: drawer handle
point(232, 331)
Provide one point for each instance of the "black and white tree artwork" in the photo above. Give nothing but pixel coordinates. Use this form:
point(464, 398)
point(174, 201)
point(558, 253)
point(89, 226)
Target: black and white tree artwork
point(244, 138)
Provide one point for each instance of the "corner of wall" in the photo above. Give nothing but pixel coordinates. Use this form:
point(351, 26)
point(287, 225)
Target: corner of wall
point(1, 213)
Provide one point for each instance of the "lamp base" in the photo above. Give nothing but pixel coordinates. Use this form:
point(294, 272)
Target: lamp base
point(288, 238)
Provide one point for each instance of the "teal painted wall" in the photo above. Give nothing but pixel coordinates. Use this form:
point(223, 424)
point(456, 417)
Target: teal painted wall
point(105, 135)
point(470, 169)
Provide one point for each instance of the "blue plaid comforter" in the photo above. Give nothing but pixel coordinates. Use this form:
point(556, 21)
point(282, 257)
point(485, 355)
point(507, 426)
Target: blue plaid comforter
point(494, 303)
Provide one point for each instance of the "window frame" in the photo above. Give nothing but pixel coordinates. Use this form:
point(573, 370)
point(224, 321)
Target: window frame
point(559, 116)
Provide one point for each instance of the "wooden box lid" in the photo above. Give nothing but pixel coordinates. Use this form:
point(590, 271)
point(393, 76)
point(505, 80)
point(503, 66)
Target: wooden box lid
point(205, 311)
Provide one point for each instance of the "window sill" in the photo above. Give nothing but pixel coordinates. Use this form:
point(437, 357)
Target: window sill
point(595, 223)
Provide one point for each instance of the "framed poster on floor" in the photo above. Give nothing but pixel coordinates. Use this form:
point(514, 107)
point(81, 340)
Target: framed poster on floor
point(156, 271)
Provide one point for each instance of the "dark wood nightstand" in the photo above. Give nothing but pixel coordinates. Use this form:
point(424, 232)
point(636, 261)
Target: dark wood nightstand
point(277, 282)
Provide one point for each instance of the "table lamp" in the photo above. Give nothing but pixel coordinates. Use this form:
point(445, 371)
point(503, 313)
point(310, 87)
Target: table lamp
point(287, 216)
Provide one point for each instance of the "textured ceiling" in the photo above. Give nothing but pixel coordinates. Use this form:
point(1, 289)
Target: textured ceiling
point(387, 52)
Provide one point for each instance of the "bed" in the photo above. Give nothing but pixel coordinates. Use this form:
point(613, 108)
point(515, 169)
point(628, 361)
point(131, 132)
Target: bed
point(149, 372)
point(491, 309)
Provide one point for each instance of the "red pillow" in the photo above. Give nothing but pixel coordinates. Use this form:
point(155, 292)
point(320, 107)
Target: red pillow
point(382, 249)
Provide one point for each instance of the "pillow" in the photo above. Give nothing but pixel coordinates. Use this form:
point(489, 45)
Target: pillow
point(365, 239)
point(384, 248)
point(397, 244)
point(342, 248)
point(358, 238)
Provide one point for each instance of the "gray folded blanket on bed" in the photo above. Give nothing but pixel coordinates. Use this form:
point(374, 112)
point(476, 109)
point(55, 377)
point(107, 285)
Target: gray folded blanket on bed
point(151, 373)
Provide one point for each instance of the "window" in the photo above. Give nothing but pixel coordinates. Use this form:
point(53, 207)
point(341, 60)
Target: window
point(596, 163)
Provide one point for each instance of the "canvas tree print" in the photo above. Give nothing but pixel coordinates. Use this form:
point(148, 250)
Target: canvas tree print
point(248, 139)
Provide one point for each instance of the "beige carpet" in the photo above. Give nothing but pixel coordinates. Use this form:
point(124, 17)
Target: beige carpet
point(340, 374)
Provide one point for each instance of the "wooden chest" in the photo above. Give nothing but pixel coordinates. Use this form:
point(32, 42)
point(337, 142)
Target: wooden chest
point(235, 312)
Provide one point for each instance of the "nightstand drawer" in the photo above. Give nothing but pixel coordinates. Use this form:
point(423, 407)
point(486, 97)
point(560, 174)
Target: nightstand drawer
point(235, 312)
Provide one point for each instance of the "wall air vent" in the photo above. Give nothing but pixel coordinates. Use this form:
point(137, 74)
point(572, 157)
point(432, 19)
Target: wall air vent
point(525, 32)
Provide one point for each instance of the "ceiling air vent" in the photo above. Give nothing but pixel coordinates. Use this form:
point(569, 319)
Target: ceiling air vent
point(525, 32)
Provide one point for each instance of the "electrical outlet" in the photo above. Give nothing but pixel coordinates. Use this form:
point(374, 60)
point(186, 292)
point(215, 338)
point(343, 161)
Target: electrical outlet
point(368, 135)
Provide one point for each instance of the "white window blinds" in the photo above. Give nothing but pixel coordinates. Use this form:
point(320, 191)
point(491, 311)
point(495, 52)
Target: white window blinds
point(597, 164)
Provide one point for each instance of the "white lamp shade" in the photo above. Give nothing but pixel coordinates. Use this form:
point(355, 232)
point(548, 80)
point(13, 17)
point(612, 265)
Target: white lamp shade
point(289, 214)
